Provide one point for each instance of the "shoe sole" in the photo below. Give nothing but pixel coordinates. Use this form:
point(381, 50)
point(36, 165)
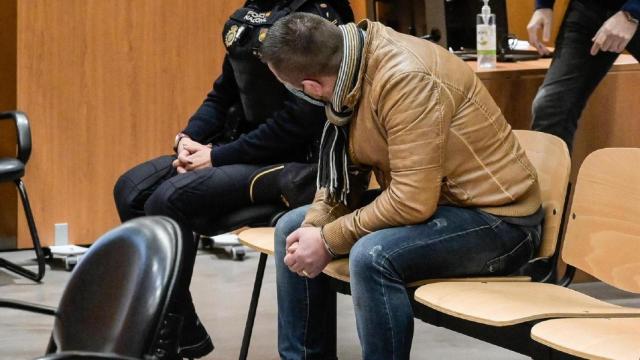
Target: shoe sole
point(198, 350)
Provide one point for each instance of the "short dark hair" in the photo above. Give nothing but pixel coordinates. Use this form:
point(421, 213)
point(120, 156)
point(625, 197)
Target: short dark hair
point(303, 45)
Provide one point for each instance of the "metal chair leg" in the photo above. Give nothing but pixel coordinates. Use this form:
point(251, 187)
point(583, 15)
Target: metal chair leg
point(34, 237)
point(22, 305)
point(253, 306)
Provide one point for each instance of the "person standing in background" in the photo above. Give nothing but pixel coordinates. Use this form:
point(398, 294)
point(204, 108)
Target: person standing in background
point(592, 35)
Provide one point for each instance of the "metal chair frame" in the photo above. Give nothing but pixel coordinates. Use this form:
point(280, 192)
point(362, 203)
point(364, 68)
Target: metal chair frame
point(24, 151)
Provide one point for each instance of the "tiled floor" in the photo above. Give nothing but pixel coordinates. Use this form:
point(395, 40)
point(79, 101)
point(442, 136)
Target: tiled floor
point(221, 289)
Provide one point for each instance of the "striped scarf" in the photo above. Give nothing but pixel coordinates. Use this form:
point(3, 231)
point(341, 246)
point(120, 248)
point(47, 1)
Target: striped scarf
point(333, 171)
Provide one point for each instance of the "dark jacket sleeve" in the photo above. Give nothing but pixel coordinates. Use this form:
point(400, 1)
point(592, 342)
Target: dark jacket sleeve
point(544, 4)
point(210, 117)
point(282, 137)
point(633, 8)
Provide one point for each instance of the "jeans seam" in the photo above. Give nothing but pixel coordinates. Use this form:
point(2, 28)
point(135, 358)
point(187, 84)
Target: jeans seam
point(490, 219)
point(306, 321)
point(496, 224)
point(532, 245)
point(386, 304)
point(528, 239)
point(411, 245)
point(382, 270)
point(437, 239)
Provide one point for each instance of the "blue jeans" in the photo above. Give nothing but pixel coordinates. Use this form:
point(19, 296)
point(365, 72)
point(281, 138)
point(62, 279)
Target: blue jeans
point(574, 72)
point(453, 242)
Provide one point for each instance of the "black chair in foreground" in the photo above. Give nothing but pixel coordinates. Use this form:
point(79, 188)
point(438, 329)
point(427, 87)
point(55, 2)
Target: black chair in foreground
point(12, 169)
point(115, 304)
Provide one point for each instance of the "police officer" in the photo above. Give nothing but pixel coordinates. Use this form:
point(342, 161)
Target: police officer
point(246, 124)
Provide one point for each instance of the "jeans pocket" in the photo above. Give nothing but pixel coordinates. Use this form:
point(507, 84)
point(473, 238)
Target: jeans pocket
point(511, 261)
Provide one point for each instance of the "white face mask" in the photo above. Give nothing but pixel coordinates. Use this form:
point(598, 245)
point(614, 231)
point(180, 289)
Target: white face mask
point(304, 96)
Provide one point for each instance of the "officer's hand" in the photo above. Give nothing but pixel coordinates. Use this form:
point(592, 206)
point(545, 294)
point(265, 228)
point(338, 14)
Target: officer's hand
point(185, 148)
point(614, 34)
point(541, 18)
point(181, 162)
point(179, 165)
point(186, 142)
point(200, 158)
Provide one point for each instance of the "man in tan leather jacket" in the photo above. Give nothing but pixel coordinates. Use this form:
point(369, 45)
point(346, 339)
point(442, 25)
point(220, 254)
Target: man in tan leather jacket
point(458, 195)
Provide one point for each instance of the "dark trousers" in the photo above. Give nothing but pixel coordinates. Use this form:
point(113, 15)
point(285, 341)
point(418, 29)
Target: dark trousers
point(574, 72)
point(195, 200)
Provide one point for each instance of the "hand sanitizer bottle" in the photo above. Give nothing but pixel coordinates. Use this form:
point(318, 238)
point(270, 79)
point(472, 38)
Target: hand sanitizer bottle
point(486, 38)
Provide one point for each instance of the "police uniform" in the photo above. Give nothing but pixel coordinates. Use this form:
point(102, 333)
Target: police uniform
point(253, 122)
point(251, 119)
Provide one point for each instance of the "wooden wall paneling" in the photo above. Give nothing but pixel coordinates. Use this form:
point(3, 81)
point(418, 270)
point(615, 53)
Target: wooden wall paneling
point(8, 215)
point(612, 115)
point(514, 97)
point(8, 193)
point(8, 28)
point(359, 9)
point(107, 85)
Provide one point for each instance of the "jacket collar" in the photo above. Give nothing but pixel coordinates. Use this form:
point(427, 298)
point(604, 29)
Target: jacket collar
point(372, 29)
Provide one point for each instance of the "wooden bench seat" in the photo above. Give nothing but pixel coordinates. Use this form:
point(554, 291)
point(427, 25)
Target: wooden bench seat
point(608, 338)
point(603, 237)
point(505, 303)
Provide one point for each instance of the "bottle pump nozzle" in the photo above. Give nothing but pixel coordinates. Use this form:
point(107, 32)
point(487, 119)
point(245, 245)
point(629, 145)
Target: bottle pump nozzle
point(486, 11)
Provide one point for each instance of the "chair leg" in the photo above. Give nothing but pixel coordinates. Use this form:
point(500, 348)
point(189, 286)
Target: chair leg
point(253, 306)
point(34, 237)
point(21, 305)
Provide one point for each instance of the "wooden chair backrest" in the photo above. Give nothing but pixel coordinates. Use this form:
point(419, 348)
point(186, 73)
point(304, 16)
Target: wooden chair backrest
point(603, 232)
point(550, 157)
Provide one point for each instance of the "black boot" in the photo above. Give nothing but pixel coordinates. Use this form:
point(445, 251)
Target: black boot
point(194, 339)
point(166, 345)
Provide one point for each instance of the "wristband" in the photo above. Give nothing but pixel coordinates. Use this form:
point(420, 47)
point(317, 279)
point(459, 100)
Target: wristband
point(176, 142)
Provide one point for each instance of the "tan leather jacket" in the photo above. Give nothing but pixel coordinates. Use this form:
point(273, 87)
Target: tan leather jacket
point(432, 134)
